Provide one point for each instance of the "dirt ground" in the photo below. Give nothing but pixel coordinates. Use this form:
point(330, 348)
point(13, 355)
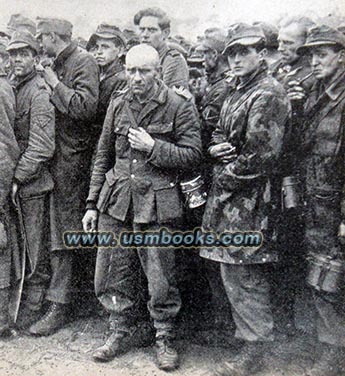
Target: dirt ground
point(68, 352)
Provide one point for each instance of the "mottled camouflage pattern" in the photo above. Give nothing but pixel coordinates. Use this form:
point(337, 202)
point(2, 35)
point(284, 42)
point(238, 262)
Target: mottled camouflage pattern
point(322, 157)
point(252, 119)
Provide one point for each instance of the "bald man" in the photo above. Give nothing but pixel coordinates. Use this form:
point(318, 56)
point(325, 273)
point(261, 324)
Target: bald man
point(153, 136)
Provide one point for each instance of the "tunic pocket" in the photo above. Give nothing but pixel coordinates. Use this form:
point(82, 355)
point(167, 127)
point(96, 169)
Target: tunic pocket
point(168, 203)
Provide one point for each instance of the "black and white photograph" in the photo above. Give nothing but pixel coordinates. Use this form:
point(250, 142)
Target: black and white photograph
point(172, 188)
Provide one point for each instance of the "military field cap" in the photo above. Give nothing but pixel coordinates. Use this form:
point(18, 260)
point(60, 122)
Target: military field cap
point(5, 32)
point(195, 57)
point(21, 39)
point(214, 40)
point(323, 35)
point(107, 32)
point(3, 46)
point(53, 25)
point(244, 35)
point(18, 22)
point(270, 32)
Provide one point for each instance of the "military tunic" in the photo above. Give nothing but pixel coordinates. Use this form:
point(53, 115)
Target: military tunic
point(137, 191)
point(35, 132)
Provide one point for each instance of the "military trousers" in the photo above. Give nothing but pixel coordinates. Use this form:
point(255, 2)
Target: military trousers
point(248, 291)
point(118, 283)
point(35, 234)
point(322, 223)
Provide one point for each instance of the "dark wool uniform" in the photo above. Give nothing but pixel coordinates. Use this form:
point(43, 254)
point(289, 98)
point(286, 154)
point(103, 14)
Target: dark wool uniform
point(35, 132)
point(253, 120)
point(75, 99)
point(9, 154)
point(174, 67)
point(141, 192)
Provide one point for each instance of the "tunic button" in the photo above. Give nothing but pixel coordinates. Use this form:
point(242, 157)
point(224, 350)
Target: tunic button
point(132, 176)
point(172, 184)
point(117, 128)
point(135, 161)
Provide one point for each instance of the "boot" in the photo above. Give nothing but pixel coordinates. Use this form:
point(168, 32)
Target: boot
point(121, 341)
point(4, 317)
point(248, 362)
point(54, 319)
point(329, 363)
point(167, 357)
point(27, 317)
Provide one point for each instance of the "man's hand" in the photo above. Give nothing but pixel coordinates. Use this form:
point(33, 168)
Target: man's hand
point(341, 233)
point(224, 151)
point(90, 220)
point(50, 76)
point(140, 140)
point(14, 194)
point(296, 91)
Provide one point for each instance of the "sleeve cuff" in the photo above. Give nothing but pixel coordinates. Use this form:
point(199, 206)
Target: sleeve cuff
point(91, 205)
point(61, 97)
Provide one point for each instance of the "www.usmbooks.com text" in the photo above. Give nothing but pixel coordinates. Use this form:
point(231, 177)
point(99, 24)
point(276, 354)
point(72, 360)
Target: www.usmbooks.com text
point(163, 238)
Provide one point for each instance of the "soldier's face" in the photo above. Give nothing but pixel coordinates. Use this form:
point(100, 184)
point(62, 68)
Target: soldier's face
point(326, 62)
point(47, 44)
point(141, 74)
point(244, 60)
point(22, 61)
point(210, 60)
point(151, 33)
point(105, 51)
point(290, 38)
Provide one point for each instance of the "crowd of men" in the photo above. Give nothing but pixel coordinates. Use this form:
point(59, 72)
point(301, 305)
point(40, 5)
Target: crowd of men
point(130, 132)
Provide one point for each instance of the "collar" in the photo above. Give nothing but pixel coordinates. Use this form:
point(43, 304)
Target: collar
point(112, 69)
point(65, 54)
point(336, 87)
point(17, 83)
point(159, 96)
point(163, 50)
point(218, 75)
point(253, 78)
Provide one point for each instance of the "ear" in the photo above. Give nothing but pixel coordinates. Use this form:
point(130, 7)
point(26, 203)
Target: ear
point(52, 36)
point(37, 59)
point(158, 72)
point(341, 56)
point(166, 33)
point(262, 54)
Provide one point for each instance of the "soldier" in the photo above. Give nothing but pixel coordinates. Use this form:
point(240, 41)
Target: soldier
point(74, 82)
point(246, 146)
point(18, 22)
point(155, 134)
point(322, 160)
point(292, 70)
point(9, 154)
point(32, 184)
point(217, 70)
point(108, 45)
point(154, 29)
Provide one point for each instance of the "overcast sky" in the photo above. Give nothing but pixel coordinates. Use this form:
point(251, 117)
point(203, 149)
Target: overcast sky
point(190, 17)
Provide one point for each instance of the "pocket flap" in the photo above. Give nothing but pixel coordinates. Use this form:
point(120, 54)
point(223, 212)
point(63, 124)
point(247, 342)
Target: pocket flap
point(110, 176)
point(122, 129)
point(160, 128)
